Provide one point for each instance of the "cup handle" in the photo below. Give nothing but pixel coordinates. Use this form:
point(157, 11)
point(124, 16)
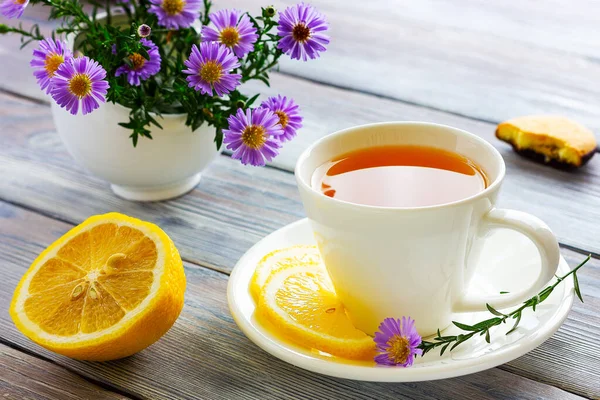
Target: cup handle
point(539, 233)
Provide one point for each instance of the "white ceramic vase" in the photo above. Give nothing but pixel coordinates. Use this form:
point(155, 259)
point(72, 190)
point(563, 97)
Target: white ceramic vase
point(161, 168)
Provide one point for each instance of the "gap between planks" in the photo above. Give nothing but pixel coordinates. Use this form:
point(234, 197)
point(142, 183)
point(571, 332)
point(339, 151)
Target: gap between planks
point(322, 83)
point(211, 266)
point(494, 390)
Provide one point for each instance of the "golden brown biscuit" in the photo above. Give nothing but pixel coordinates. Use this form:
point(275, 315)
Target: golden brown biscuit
point(553, 140)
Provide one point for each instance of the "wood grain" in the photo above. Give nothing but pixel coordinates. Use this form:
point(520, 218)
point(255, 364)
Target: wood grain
point(37, 167)
point(27, 377)
point(205, 355)
point(485, 60)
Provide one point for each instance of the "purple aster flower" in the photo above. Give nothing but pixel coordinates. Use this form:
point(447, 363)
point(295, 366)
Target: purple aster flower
point(113, 49)
point(288, 113)
point(140, 68)
point(209, 68)
point(80, 79)
point(176, 14)
point(253, 136)
point(397, 342)
point(229, 29)
point(301, 29)
point(13, 8)
point(144, 30)
point(47, 59)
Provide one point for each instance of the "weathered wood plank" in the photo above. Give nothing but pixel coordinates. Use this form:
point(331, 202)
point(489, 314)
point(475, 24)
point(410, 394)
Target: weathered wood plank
point(27, 377)
point(40, 174)
point(485, 60)
point(205, 355)
point(477, 65)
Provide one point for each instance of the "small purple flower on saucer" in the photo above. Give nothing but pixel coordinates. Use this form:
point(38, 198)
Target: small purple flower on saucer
point(397, 342)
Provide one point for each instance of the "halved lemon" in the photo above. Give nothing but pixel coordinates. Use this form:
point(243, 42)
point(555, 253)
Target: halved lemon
point(280, 259)
point(106, 289)
point(302, 305)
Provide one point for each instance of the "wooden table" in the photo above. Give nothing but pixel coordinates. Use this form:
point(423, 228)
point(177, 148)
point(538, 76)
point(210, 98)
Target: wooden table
point(468, 63)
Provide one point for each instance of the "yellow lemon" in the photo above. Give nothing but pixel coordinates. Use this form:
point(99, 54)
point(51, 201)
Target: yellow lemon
point(300, 302)
point(106, 289)
point(280, 259)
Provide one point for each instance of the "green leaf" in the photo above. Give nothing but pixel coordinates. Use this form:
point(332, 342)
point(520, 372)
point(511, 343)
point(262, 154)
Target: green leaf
point(464, 327)
point(264, 80)
point(487, 335)
point(487, 323)
point(252, 99)
point(545, 293)
point(444, 349)
point(219, 138)
point(504, 292)
point(444, 338)
point(494, 311)
point(460, 340)
point(576, 284)
point(518, 319)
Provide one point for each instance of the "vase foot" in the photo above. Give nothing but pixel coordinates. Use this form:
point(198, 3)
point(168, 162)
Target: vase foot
point(156, 193)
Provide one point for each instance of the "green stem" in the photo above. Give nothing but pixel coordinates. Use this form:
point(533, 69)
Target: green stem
point(108, 16)
point(262, 70)
point(483, 327)
point(9, 29)
point(207, 6)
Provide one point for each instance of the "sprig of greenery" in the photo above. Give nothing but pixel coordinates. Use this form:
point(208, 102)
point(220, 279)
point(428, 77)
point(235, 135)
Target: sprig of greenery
point(26, 36)
point(483, 327)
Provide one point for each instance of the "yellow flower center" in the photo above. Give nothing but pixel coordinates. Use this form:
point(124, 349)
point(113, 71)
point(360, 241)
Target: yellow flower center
point(399, 349)
point(283, 118)
point(80, 85)
point(229, 36)
point(254, 136)
point(20, 2)
point(173, 7)
point(211, 72)
point(137, 60)
point(52, 62)
point(301, 32)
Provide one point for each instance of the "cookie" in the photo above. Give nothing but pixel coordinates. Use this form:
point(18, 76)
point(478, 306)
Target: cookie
point(553, 140)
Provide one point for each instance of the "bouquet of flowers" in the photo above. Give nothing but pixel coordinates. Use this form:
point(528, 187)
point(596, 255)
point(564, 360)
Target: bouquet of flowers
point(160, 57)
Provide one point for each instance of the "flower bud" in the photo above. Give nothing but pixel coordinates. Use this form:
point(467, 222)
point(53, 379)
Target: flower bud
point(143, 30)
point(240, 104)
point(269, 12)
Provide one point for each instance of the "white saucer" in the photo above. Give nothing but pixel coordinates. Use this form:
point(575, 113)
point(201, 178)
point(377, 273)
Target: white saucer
point(513, 260)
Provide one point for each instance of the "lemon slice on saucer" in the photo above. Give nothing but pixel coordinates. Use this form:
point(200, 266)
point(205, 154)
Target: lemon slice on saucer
point(106, 289)
point(302, 305)
point(279, 259)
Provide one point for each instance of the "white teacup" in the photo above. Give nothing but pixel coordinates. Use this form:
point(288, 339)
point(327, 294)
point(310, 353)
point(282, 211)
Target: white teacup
point(417, 262)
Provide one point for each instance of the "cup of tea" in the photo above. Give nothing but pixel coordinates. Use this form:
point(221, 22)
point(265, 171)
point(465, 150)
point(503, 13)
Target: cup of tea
point(399, 211)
